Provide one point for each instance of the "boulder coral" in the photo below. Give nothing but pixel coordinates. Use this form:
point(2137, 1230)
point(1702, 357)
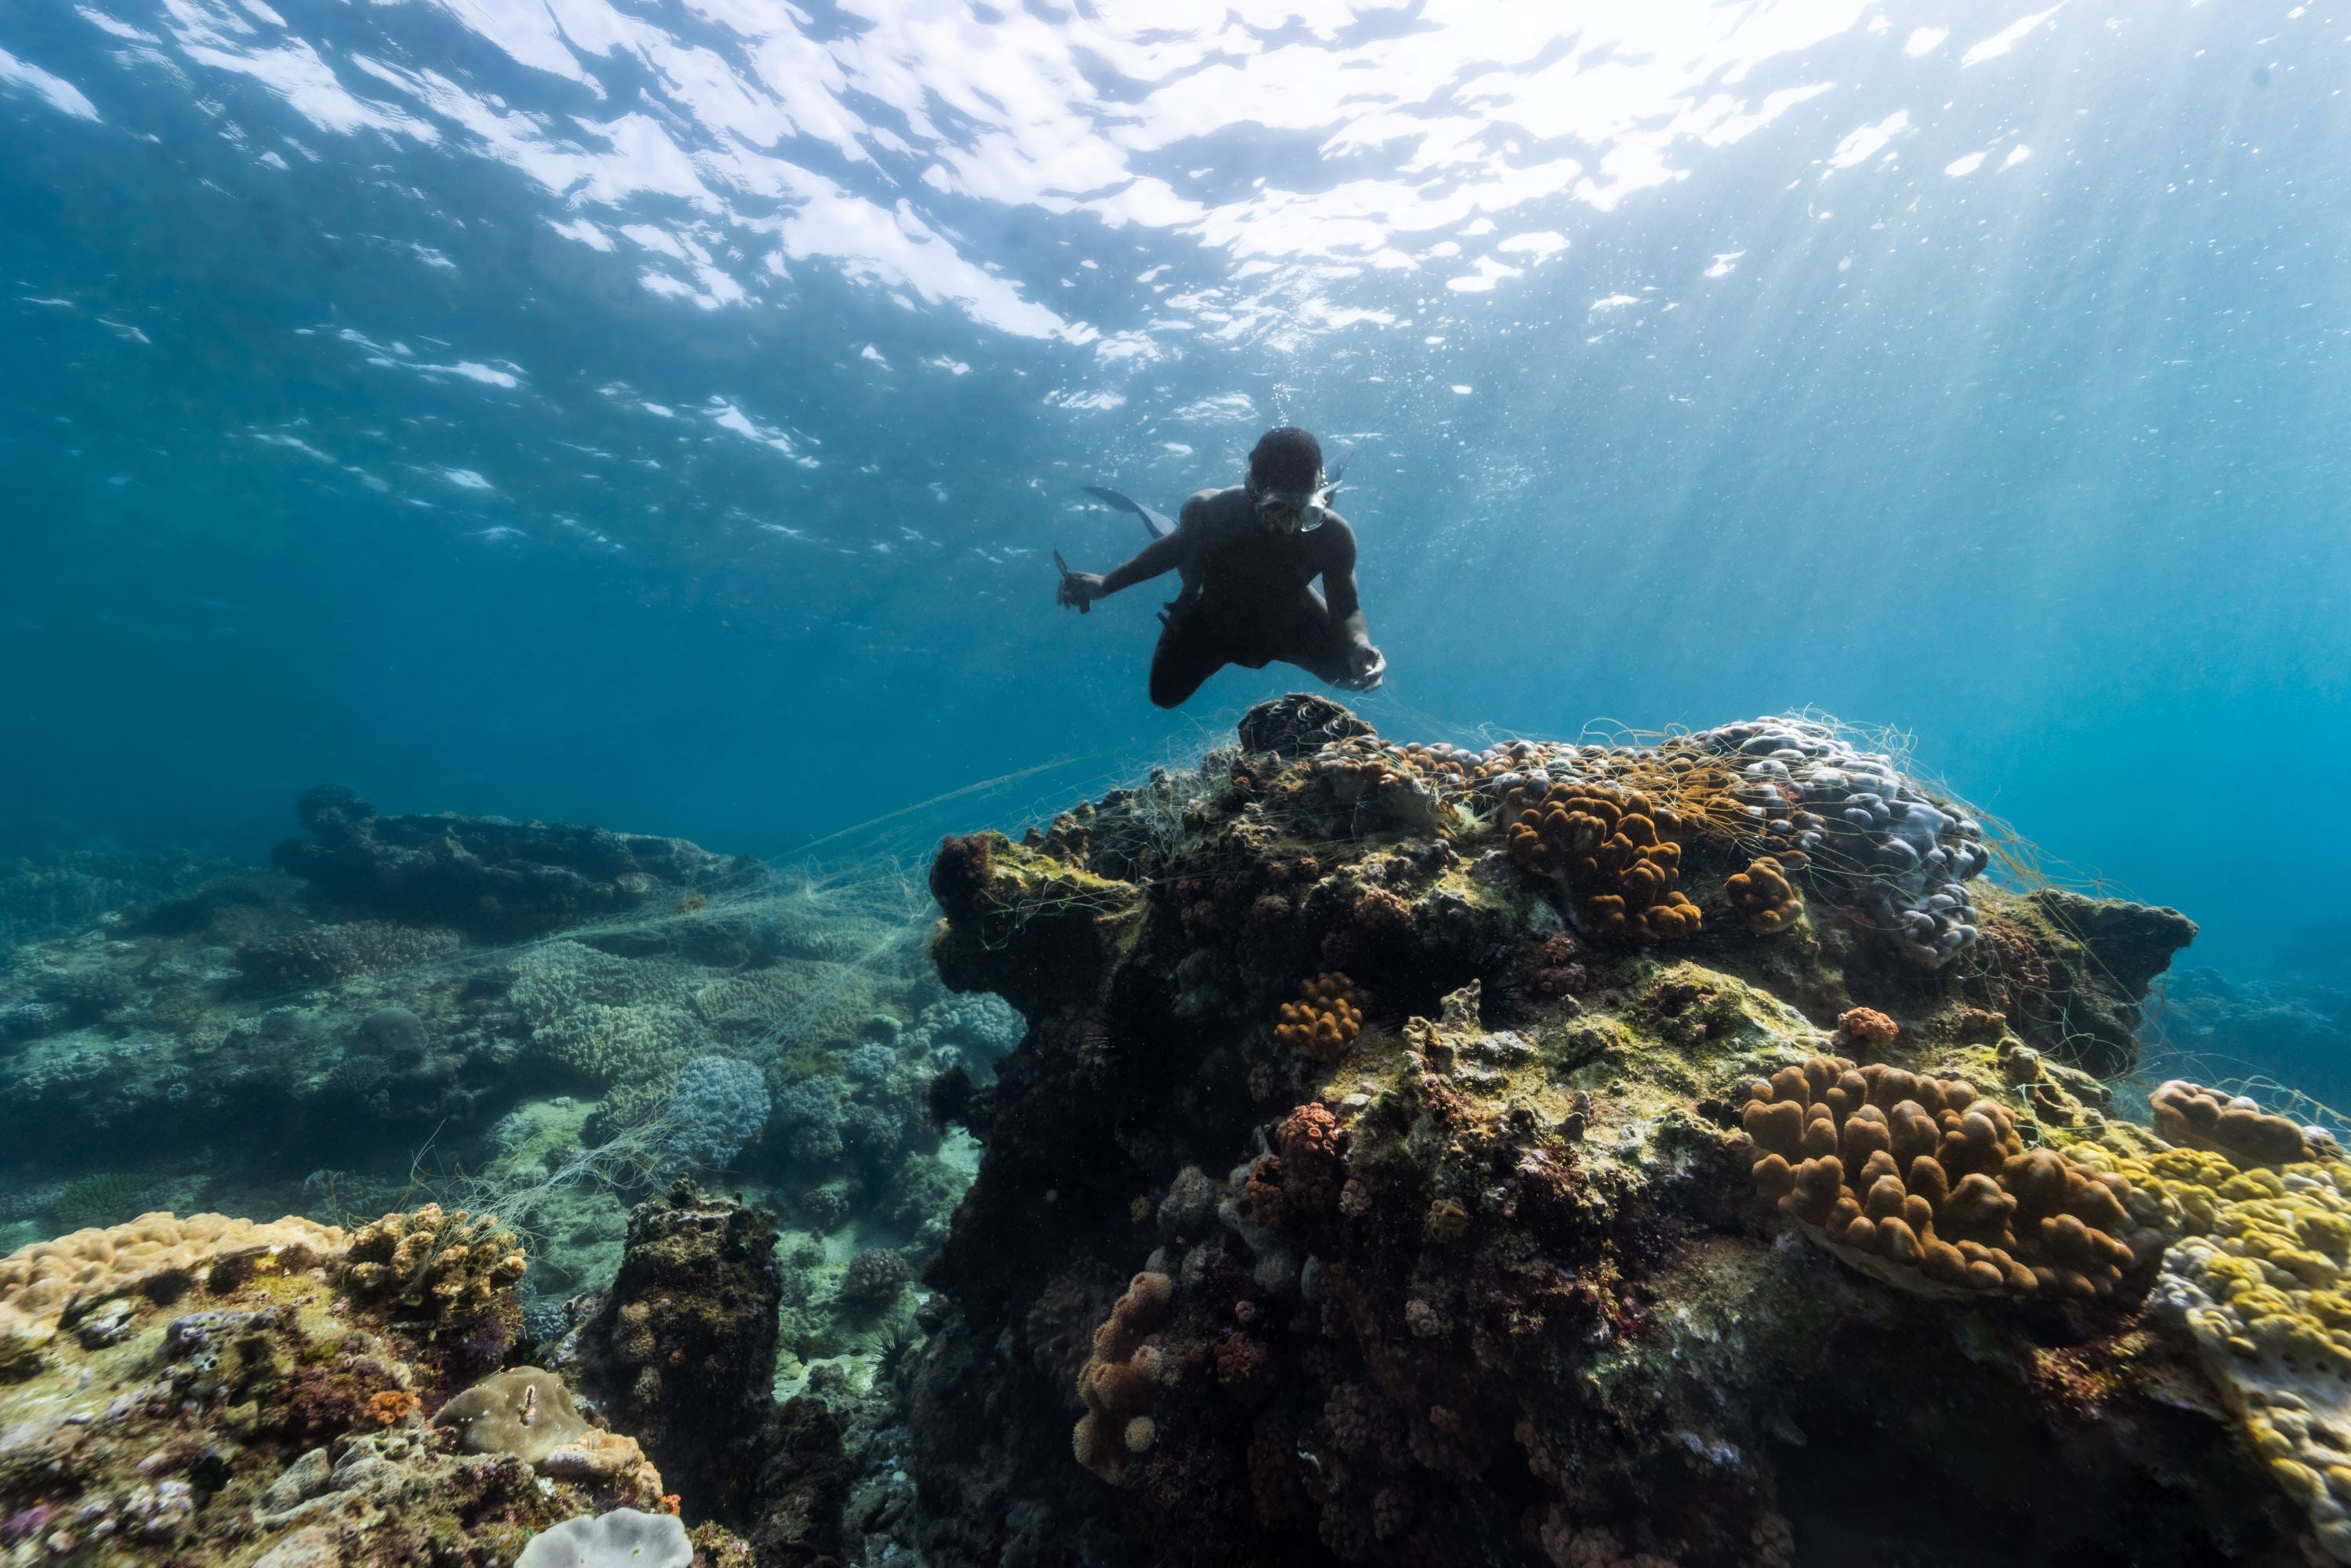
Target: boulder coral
point(158, 1254)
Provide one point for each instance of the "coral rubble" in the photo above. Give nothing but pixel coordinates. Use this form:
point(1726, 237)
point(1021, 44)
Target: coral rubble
point(1479, 1271)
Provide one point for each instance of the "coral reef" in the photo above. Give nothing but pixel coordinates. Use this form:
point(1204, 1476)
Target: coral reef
point(488, 877)
point(1493, 1283)
point(553, 1085)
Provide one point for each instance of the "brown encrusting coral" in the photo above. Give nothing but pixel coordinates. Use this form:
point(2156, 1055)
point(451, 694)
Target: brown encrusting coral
point(2200, 1118)
point(1920, 1176)
point(1492, 1283)
point(1613, 850)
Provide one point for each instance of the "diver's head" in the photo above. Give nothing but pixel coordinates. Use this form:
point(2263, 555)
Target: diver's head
point(1285, 479)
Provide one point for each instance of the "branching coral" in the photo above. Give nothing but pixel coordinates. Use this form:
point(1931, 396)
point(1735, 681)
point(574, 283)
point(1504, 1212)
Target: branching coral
point(426, 1264)
point(2204, 1118)
point(1120, 1381)
point(1917, 1181)
point(720, 1105)
point(1324, 1021)
point(1612, 849)
point(1762, 896)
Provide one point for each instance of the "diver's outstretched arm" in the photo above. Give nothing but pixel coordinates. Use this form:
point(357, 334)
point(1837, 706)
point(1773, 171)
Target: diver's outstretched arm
point(1366, 663)
point(1080, 588)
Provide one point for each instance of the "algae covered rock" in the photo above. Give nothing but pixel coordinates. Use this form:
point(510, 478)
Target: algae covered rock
point(1575, 1155)
point(682, 1348)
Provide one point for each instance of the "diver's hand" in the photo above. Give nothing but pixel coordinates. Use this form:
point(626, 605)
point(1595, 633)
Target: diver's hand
point(1079, 591)
point(1369, 665)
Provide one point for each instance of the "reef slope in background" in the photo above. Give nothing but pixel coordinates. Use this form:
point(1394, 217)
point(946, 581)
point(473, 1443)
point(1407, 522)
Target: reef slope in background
point(1587, 1155)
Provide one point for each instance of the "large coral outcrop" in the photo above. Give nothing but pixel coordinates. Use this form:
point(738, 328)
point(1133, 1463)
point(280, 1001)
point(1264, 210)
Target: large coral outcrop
point(1492, 1284)
point(490, 877)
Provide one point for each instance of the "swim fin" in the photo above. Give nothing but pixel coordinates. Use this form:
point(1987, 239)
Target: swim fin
point(1160, 524)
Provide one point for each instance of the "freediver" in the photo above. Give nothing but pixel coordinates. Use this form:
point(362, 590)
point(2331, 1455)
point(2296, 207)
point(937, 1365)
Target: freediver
point(1249, 554)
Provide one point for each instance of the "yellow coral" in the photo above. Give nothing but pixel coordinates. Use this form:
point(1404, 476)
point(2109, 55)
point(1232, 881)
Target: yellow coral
point(2258, 1281)
point(1324, 1021)
point(41, 1284)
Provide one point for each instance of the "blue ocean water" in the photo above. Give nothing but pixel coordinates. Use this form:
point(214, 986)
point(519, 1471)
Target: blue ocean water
point(662, 414)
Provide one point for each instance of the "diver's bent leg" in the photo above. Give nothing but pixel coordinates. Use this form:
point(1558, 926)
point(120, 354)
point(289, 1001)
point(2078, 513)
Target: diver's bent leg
point(1187, 656)
point(1318, 643)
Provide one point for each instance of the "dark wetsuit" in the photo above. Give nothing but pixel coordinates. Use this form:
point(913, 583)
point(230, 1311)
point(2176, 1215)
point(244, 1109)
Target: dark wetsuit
point(1249, 596)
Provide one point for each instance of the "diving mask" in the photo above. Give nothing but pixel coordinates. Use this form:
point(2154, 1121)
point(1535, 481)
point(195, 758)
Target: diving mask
point(1295, 511)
